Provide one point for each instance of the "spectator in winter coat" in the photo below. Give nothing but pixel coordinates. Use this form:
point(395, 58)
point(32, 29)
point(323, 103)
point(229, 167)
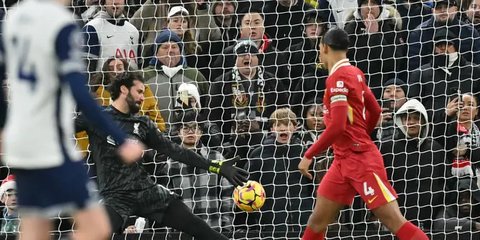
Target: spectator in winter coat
point(251, 24)
point(274, 165)
point(208, 195)
point(472, 14)
point(283, 21)
point(394, 96)
point(303, 56)
point(10, 222)
point(247, 89)
point(376, 45)
point(460, 134)
point(447, 73)
point(167, 71)
point(413, 13)
point(445, 14)
point(463, 212)
point(415, 165)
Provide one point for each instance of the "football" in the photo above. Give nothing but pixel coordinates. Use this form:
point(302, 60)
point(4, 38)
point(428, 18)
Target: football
point(249, 197)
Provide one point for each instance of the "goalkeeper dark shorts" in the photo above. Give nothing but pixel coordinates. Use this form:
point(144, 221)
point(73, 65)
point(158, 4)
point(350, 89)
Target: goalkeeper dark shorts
point(143, 203)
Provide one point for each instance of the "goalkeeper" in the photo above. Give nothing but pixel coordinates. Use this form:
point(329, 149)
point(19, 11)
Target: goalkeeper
point(126, 188)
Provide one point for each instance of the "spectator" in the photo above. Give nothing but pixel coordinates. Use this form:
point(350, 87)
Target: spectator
point(313, 123)
point(309, 88)
point(303, 56)
point(274, 165)
point(166, 72)
point(283, 21)
point(461, 137)
point(338, 10)
point(86, 9)
point(178, 21)
point(463, 214)
point(413, 13)
point(394, 96)
point(472, 14)
point(110, 34)
point(216, 22)
point(207, 194)
point(216, 30)
point(445, 14)
point(252, 27)
point(443, 76)
point(188, 102)
point(246, 88)
point(375, 42)
point(10, 222)
point(415, 165)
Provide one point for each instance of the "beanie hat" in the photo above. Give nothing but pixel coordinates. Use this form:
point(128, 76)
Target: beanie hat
point(191, 91)
point(378, 2)
point(166, 35)
point(397, 82)
point(177, 10)
point(7, 184)
point(245, 46)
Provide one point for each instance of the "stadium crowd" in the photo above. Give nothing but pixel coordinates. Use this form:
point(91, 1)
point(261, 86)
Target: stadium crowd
point(230, 78)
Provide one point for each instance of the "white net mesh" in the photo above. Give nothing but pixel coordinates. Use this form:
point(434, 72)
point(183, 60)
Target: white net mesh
point(194, 56)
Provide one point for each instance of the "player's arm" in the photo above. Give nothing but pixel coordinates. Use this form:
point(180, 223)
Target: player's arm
point(338, 112)
point(92, 47)
point(156, 140)
point(373, 110)
point(68, 52)
point(3, 100)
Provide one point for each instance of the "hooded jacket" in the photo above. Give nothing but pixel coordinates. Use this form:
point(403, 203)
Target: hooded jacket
point(416, 168)
point(378, 54)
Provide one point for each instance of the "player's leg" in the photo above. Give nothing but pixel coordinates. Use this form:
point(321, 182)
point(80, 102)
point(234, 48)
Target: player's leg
point(324, 213)
point(180, 217)
point(390, 216)
point(92, 223)
point(35, 228)
point(332, 196)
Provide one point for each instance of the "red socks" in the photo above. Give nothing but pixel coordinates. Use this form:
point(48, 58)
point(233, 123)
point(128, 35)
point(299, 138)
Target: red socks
point(408, 231)
point(309, 234)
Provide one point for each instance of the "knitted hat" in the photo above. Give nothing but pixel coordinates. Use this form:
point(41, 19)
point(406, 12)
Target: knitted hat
point(166, 36)
point(397, 82)
point(7, 184)
point(378, 2)
point(245, 46)
point(188, 90)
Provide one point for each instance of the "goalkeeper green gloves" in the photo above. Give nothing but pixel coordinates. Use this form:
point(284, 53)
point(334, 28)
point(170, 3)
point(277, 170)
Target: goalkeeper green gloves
point(226, 168)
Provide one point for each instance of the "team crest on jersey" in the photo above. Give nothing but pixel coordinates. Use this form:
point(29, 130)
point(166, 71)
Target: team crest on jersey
point(340, 84)
point(135, 128)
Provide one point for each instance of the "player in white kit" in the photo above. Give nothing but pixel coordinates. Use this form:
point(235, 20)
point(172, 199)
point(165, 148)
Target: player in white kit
point(41, 48)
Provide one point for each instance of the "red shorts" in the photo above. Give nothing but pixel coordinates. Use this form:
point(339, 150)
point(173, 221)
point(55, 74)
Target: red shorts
point(358, 172)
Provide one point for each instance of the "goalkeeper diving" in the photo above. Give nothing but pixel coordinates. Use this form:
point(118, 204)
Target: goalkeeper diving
point(126, 188)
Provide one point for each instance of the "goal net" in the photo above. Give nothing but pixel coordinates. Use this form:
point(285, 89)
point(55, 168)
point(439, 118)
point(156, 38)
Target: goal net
point(243, 78)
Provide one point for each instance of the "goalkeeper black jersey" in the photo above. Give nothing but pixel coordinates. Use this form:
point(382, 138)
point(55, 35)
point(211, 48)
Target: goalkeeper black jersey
point(113, 175)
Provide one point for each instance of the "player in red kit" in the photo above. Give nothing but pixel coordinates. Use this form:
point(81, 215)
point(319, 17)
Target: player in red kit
point(351, 114)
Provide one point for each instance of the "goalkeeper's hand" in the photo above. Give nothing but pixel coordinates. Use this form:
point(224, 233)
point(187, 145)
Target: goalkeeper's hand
point(226, 168)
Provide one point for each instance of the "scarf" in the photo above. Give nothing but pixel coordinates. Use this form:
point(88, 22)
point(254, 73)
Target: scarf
point(248, 94)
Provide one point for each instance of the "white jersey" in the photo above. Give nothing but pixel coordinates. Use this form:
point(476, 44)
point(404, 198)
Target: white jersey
point(340, 9)
point(39, 129)
point(120, 41)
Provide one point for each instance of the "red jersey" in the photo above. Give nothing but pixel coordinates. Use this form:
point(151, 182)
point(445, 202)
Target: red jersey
point(346, 85)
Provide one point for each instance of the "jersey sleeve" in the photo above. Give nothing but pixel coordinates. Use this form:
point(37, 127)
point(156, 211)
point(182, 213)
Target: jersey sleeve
point(71, 71)
point(3, 100)
point(337, 91)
